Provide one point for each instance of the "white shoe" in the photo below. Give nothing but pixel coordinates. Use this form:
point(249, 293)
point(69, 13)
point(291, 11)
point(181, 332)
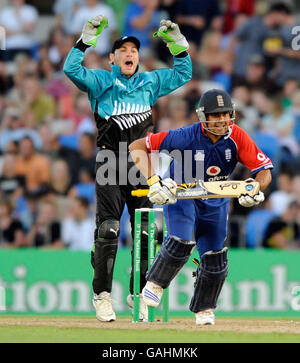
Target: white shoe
point(143, 314)
point(103, 305)
point(205, 317)
point(152, 294)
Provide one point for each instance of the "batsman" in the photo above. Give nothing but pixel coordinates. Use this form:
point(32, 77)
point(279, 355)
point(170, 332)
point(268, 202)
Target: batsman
point(218, 144)
point(122, 101)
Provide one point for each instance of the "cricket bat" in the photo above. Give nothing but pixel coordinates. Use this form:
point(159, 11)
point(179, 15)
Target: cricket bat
point(215, 189)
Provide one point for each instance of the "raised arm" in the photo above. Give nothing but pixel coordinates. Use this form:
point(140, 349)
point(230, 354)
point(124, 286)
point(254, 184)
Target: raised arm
point(85, 79)
point(170, 79)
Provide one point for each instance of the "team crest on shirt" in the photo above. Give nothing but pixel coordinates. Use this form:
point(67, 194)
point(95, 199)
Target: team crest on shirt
point(213, 170)
point(228, 155)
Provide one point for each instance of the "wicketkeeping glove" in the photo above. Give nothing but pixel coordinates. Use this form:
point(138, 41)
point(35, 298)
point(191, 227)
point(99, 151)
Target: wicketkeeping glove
point(162, 191)
point(170, 34)
point(247, 201)
point(92, 29)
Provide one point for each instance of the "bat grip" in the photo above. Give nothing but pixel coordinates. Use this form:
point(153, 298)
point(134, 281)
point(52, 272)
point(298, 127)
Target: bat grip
point(140, 192)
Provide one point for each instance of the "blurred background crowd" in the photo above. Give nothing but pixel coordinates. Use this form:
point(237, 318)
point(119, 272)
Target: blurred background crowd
point(250, 48)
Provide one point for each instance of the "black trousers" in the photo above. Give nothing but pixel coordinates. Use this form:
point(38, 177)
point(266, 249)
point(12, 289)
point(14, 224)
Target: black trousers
point(110, 202)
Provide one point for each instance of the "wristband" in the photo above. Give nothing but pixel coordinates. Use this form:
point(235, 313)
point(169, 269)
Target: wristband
point(81, 46)
point(153, 179)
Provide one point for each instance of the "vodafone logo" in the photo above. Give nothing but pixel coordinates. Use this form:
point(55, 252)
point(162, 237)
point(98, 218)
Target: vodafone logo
point(261, 157)
point(213, 170)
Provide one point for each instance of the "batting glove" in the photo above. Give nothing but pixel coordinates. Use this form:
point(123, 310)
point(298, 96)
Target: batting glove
point(169, 32)
point(162, 191)
point(92, 29)
point(247, 201)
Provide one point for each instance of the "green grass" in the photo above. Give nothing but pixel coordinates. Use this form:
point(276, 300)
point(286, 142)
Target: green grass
point(47, 334)
point(17, 334)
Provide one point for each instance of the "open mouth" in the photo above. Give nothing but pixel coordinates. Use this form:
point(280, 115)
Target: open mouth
point(129, 64)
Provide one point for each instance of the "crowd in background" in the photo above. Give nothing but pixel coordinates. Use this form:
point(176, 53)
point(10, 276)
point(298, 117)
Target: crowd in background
point(47, 132)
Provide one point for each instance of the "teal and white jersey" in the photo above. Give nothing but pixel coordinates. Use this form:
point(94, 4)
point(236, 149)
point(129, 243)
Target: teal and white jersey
point(123, 106)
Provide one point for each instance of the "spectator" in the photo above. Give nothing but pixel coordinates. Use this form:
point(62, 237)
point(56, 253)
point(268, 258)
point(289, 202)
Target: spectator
point(192, 94)
point(211, 54)
point(87, 153)
point(84, 116)
point(290, 87)
point(36, 99)
point(12, 234)
point(249, 116)
point(11, 185)
point(200, 71)
point(195, 17)
point(55, 151)
point(296, 187)
point(85, 188)
point(283, 232)
point(19, 21)
point(141, 17)
point(256, 76)
point(5, 79)
point(12, 148)
point(288, 57)
point(178, 115)
point(13, 129)
point(89, 11)
point(60, 183)
point(224, 75)
point(119, 8)
point(280, 122)
point(169, 6)
point(46, 231)
point(280, 199)
point(235, 8)
point(52, 50)
point(261, 102)
point(33, 166)
point(78, 228)
point(65, 11)
point(295, 110)
point(248, 42)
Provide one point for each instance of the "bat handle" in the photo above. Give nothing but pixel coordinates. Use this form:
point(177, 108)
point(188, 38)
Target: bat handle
point(140, 192)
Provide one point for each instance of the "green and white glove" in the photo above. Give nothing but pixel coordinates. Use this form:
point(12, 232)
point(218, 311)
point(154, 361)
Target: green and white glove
point(170, 34)
point(92, 29)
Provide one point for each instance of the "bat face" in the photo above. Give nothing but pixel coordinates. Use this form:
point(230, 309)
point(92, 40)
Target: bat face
point(217, 189)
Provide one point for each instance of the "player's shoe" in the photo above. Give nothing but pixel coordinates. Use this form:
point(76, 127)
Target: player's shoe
point(152, 294)
point(103, 304)
point(143, 314)
point(205, 317)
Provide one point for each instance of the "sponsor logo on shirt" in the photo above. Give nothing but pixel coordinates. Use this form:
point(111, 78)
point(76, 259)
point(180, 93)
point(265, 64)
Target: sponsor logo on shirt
point(213, 170)
point(119, 83)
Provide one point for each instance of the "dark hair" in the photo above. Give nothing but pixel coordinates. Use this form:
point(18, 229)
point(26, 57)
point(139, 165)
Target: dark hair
point(90, 136)
point(280, 7)
point(83, 201)
point(27, 137)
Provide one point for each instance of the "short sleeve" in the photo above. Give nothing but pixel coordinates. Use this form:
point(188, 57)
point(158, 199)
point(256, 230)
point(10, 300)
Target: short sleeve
point(248, 152)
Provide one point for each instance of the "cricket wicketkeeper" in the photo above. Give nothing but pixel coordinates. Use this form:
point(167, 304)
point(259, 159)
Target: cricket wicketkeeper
point(122, 102)
point(219, 145)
